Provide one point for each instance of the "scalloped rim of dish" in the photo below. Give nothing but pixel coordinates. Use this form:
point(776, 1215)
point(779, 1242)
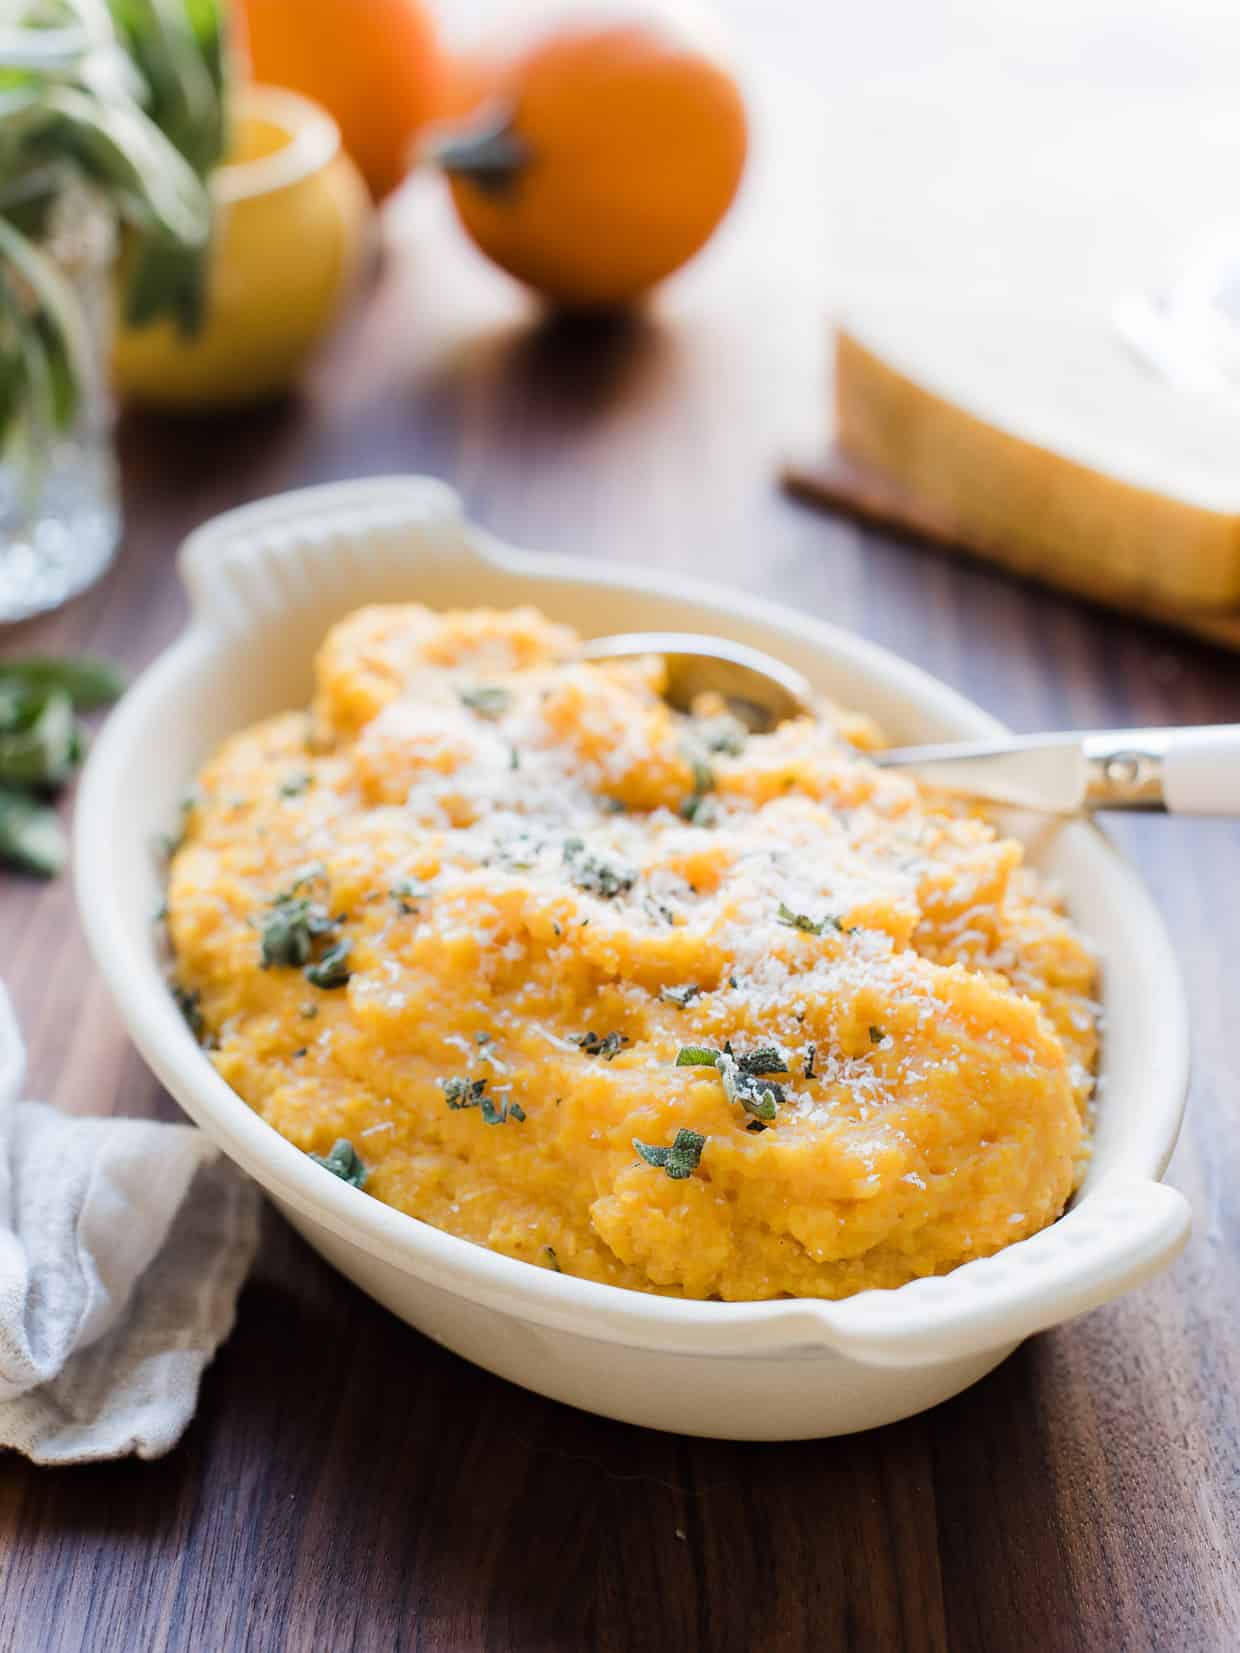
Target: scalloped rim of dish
point(237, 568)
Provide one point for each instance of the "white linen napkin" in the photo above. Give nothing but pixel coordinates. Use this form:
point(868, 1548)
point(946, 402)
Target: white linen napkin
point(123, 1246)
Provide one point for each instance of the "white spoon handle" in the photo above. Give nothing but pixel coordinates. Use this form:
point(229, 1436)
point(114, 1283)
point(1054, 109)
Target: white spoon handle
point(1201, 770)
point(1186, 771)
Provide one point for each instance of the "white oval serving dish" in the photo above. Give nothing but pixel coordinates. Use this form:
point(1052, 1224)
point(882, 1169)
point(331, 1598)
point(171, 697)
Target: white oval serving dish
point(266, 581)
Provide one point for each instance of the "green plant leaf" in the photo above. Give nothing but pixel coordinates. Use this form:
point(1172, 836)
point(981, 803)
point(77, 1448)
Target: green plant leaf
point(55, 392)
point(31, 836)
point(89, 682)
point(42, 750)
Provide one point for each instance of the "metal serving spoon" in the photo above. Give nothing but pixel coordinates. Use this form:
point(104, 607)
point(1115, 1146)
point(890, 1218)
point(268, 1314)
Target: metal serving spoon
point(1193, 771)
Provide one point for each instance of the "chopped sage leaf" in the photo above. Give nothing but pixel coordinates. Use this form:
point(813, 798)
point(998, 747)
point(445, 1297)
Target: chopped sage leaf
point(406, 891)
point(811, 1051)
point(697, 1056)
point(757, 1095)
point(613, 806)
point(765, 1059)
point(595, 873)
point(189, 802)
point(486, 700)
point(500, 1113)
point(332, 969)
point(295, 785)
point(725, 734)
point(312, 873)
point(606, 1045)
point(877, 1035)
point(697, 808)
point(703, 774)
point(289, 929)
point(682, 997)
point(755, 1125)
point(463, 1092)
point(344, 1162)
point(743, 1077)
point(680, 1160)
point(700, 811)
point(309, 1010)
point(190, 1006)
point(802, 921)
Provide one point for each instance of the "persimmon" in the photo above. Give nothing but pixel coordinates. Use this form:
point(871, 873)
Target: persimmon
point(605, 159)
point(375, 65)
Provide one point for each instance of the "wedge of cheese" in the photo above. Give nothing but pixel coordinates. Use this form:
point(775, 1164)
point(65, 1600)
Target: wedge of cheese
point(1040, 441)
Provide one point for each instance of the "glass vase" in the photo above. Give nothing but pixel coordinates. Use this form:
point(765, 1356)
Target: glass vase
point(60, 518)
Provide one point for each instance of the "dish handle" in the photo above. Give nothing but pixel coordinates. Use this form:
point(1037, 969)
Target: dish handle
point(1121, 1235)
point(258, 560)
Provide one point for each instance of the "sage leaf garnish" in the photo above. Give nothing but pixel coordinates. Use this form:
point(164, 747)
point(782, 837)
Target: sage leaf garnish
point(332, 969)
point(486, 700)
point(697, 808)
point(190, 1006)
point(344, 1162)
point(700, 811)
point(877, 1035)
point(680, 1160)
point(802, 921)
point(462, 1092)
point(757, 1095)
point(681, 997)
point(811, 1051)
point(295, 785)
point(703, 774)
point(405, 892)
point(724, 734)
point(597, 874)
point(171, 842)
point(289, 929)
point(606, 1045)
point(744, 1078)
point(765, 1059)
point(499, 1113)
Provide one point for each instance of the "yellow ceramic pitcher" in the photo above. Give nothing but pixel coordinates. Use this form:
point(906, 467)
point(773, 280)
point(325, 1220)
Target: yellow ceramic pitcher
point(293, 217)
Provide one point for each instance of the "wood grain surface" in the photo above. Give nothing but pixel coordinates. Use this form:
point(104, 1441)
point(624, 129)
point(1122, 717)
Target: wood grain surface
point(347, 1483)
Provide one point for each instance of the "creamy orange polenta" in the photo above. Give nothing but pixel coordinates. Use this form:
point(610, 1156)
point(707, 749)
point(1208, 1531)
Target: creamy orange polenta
point(466, 913)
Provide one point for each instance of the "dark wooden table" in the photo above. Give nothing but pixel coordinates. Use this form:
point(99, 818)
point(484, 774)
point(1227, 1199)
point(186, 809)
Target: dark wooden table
point(348, 1484)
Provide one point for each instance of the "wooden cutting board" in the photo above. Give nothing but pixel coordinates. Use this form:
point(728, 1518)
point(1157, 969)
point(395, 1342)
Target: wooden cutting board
point(859, 491)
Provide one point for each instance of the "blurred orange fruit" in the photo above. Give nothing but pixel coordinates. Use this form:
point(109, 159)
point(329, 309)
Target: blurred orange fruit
point(373, 64)
point(606, 159)
point(467, 81)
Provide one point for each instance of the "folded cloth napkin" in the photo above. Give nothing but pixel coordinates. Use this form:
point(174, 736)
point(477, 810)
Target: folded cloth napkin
point(123, 1246)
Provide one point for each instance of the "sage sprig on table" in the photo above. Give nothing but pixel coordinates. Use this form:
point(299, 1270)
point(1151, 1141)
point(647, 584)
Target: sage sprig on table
point(42, 741)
